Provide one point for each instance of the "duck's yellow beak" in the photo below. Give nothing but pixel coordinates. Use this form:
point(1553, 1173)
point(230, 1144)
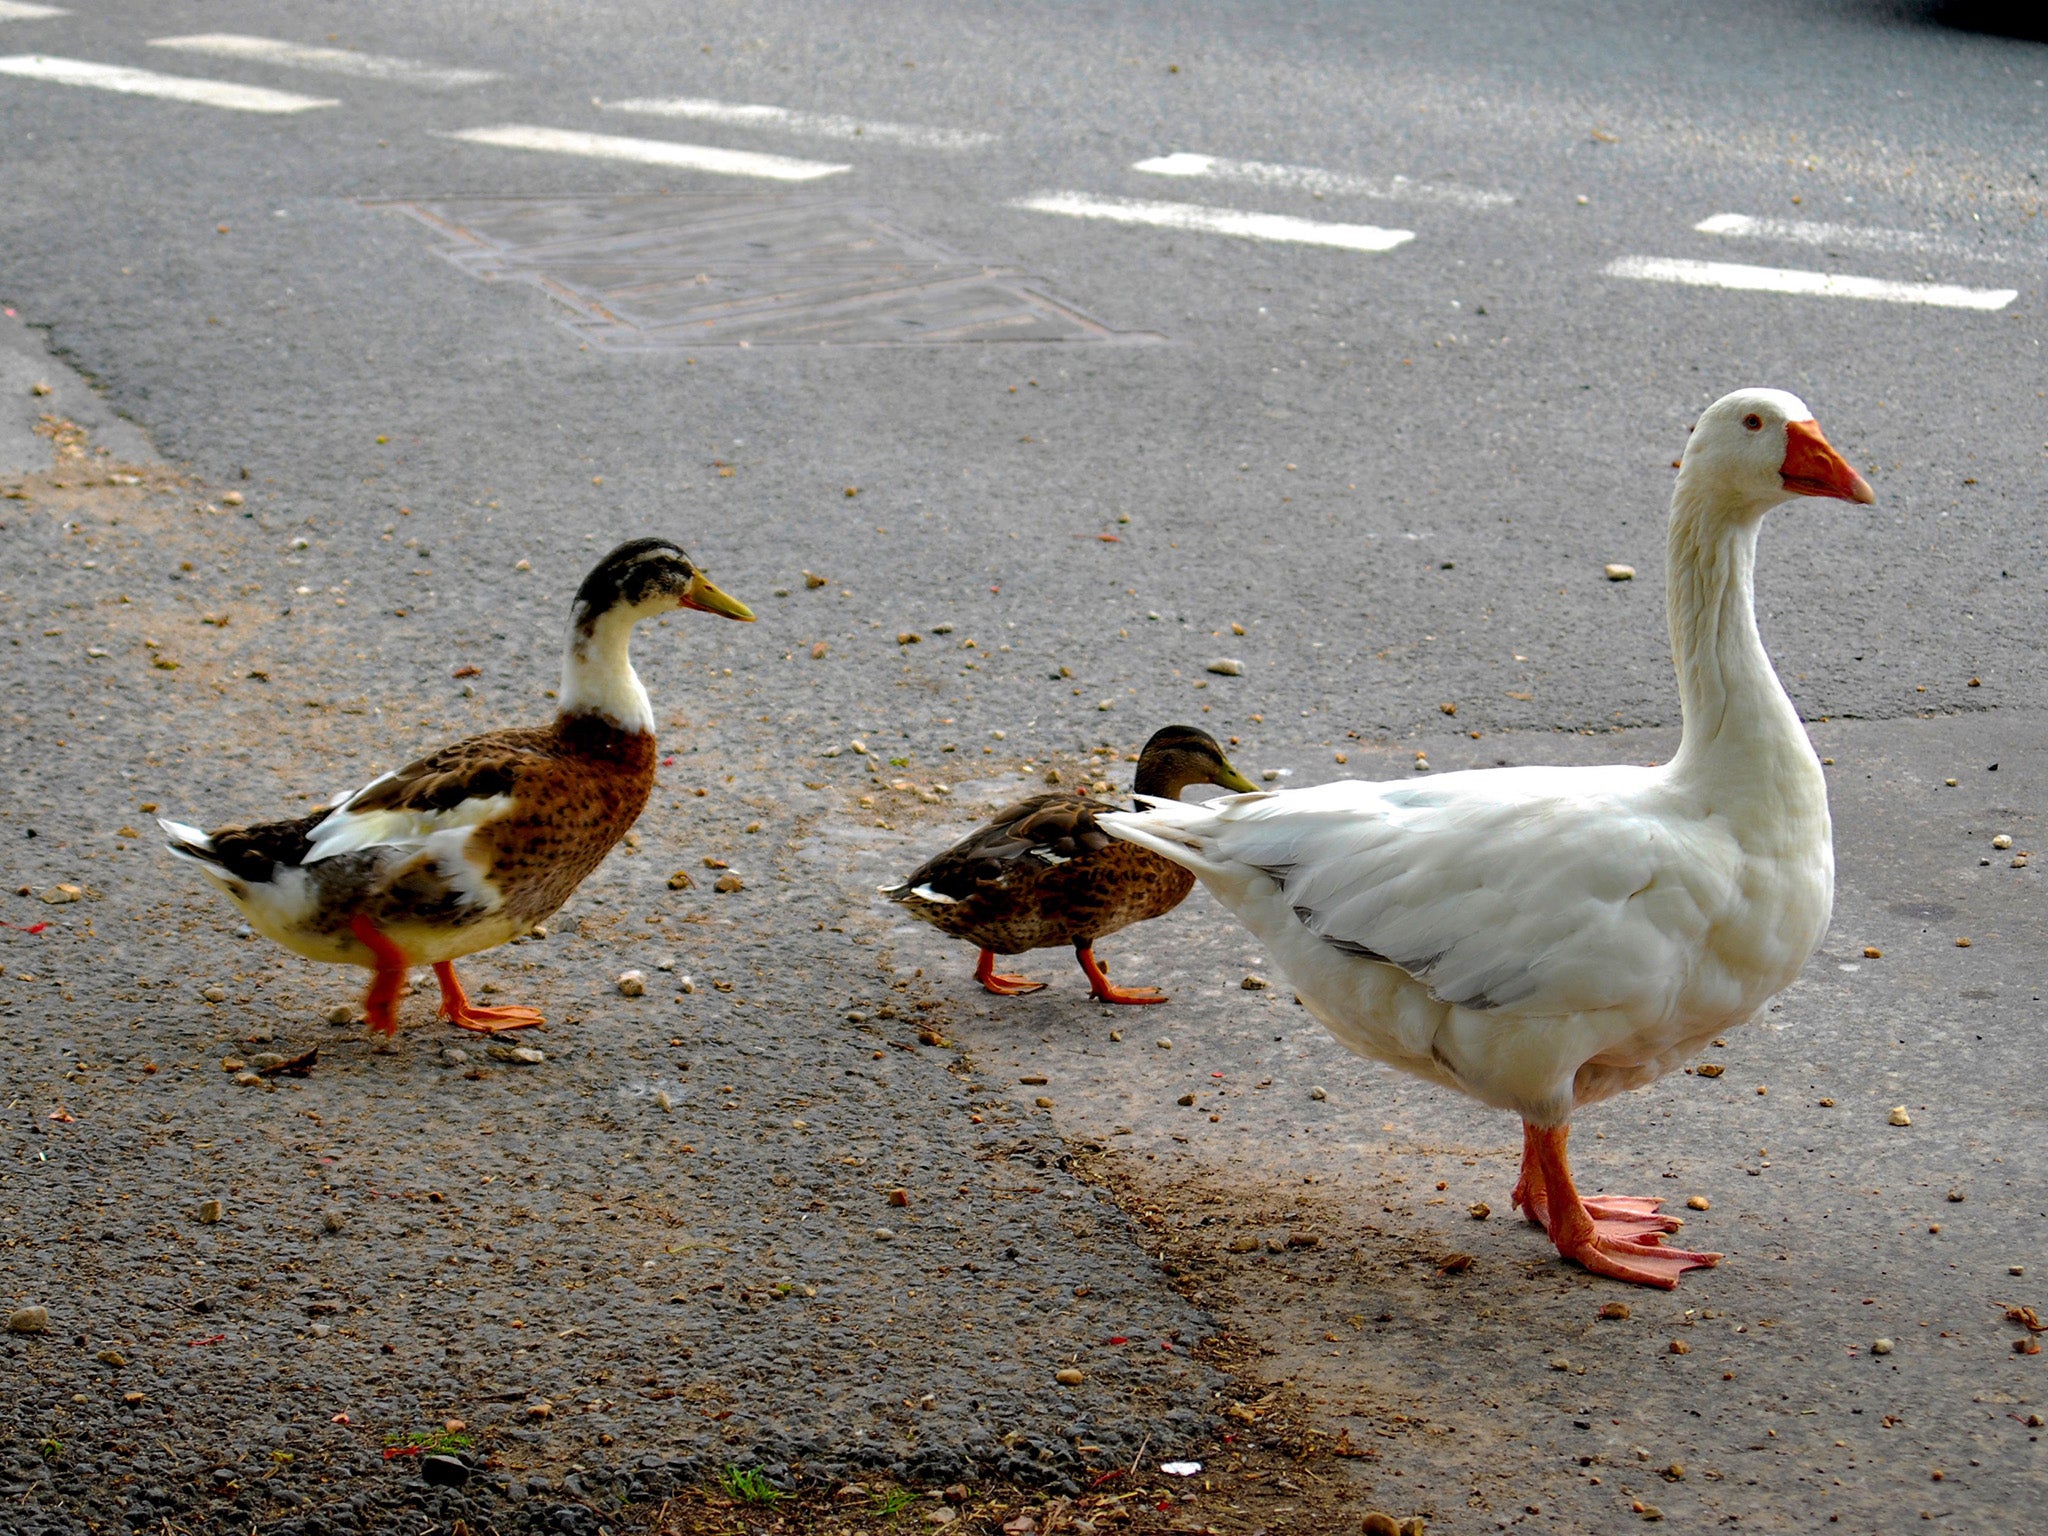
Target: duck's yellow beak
point(706, 598)
point(1230, 778)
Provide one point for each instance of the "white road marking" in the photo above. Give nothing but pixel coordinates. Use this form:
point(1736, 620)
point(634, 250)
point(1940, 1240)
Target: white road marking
point(1306, 178)
point(1198, 218)
point(332, 61)
point(694, 157)
point(1741, 226)
point(20, 10)
point(147, 82)
point(1724, 274)
point(821, 125)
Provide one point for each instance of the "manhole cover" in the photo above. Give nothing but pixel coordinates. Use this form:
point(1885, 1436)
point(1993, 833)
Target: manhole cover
point(748, 269)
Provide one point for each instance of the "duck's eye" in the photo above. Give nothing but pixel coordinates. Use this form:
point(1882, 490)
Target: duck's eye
point(1754, 422)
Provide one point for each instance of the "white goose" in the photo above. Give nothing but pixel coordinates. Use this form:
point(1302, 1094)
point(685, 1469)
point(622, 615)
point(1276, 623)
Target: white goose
point(1543, 938)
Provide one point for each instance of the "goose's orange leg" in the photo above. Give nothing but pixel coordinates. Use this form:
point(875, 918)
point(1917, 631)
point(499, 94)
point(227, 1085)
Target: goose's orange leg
point(1532, 1199)
point(1107, 991)
point(387, 979)
point(458, 1010)
point(994, 981)
point(1626, 1247)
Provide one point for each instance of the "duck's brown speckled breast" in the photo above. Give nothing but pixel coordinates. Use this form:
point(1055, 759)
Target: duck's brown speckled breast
point(569, 817)
point(1080, 901)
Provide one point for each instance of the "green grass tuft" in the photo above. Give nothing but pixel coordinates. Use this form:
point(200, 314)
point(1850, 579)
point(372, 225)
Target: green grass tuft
point(748, 1486)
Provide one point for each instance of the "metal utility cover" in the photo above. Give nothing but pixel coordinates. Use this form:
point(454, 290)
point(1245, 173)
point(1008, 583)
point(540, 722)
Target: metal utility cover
point(658, 273)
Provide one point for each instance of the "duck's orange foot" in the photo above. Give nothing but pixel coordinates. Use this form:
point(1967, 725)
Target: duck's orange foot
point(458, 1010)
point(494, 1021)
point(1616, 1215)
point(1107, 991)
point(995, 981)
point(1621, 1254)
point(387, 980)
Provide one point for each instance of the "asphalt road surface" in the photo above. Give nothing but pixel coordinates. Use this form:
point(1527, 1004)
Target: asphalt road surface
point(1093, 337)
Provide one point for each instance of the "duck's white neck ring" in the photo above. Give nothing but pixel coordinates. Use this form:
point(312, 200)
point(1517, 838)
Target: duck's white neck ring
point(598, 676)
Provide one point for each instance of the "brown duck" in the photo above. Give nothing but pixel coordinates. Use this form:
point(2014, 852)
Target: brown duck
point(476, 843)
point(1042, 873)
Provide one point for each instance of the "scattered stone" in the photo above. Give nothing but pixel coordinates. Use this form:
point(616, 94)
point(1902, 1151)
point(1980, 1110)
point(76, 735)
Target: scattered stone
point(885, 1234)
point(957, 1493)
point(1033, 1080)
point(1698, 1203)
point(1619, 572)
point(909, 637)
point(265, 1061)
point(111, 1357)
point(1379, 1523)
point(332, 1219)
point(539, 1410)
point(454, 1056)
point(249, 1079)
point(1303, 1240)
point(899, 1197)
point(680, 880)
point(1244, 1243)
point(1614, 1311)
point(525, 1055)
point(443, 1471)
point(1680, 1347)
point(1709, 1069)
point(1068, 1376)
point(1319, 1094)
point(211, 1211)
point(1957, 1197)
point(727, 883)
point(341, 1013)
point(2001, 842)
point(1481, 1210)
point(633, 983)
point(1881, 1347)
point(59, 895)
point(813, 581)
point(1186, 1101)
point(29, 1320)
point(1105, 703)
point(941, 1516)
point(1254, 983)
point(1163, 1043)
point(1560, 1364)
point(663, 1102)
point(233, 1064)
point(1872, 952)
point(1962, 943)
point(215, 994)
point(1226, 666)
point(134, 1399)
point(1899, 1116)
point(1042, 1102)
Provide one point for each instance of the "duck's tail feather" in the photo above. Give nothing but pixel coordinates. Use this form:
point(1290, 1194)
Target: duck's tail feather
point(190, 844)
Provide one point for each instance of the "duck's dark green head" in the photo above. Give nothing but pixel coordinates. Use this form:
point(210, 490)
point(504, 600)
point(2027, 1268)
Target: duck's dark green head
point(1180, 755)
point(650, 575)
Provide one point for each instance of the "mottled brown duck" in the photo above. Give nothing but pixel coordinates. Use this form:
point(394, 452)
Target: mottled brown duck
point(474, 844)
point(1041, 873)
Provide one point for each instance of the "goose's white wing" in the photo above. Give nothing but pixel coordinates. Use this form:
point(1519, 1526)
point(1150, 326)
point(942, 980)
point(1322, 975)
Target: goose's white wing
point(1544, 891)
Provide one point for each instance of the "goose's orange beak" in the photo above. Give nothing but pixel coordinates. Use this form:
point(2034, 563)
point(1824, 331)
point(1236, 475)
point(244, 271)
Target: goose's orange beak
point(1813, 468)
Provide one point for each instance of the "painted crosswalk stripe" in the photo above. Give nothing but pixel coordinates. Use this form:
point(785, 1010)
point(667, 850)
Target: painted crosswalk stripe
point(817, 125)
point(692, 157)
point(1832, 285)
point(1858, 237)
point(1199, 218)
point(147, 82)
point(1307, 178)
point(20, 10)
point(332, 61)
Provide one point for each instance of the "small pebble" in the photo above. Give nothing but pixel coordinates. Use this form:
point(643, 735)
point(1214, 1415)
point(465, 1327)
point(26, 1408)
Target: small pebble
point(1319, 1094)
point(111, 1357)
point(455, 1055)
point(233, 1064)
point(1962, 943)
point(333, 1220)
point(2001, 842)
point(885, 1234)
point(1244, 1243)
point(341, 1013)
point(1163, 1043)
point(1186, 1101)
point(633, 983)
point(1227, 666)
point(1380, 1523)
point(1615, 1311)
point(215, 994)
point(60, 895)
point(1698, 1203)
point(1481, 1210)
point(1560, 1364)
point(1680, 1347)
point(211, 1211)
point(1042, 1102)
point(727, 883)
point(680, 880)
point(264, 1061)
point(1255, 983)
point(1899, 1116)
point(1621, 573)
point(1068, 1376)
point(1881, 1347)
point(663, 1102)
point(899, 1197)
point(29, 1320)
point(525, 1055)
point(249, 1079)
point(1872, 952)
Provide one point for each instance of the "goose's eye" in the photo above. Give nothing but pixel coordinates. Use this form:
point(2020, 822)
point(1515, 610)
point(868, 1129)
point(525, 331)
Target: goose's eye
point(1754, 422)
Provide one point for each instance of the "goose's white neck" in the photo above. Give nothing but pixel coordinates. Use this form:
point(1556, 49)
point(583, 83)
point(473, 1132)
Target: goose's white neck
point(598, 676)
point(1740, 728)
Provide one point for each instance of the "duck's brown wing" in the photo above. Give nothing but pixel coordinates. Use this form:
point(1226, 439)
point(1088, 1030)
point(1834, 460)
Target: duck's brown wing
point(465, 784)
point(1021, 841)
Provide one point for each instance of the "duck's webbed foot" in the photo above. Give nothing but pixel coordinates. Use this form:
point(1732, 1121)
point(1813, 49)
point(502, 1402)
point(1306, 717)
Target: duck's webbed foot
point(387, 977)
point(1620, 1236)
point(995, 981)
point(1107, 991)
point(458, 1010)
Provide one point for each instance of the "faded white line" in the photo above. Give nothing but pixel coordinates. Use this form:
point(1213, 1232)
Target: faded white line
point(20, 10)
point(692, 157)
point(819, 125)
point(1861, 237)
point(1307, 178)
point(1832, 285)
point(332, 61)
point(147, 82)
point(1198, 218)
